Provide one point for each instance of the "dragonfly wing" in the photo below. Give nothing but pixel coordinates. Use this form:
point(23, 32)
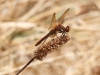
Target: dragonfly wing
point(53, 22)
point(61, 19)
point(45, 37)
point(53, 35)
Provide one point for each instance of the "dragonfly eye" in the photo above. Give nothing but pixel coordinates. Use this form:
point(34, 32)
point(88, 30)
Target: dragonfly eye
point(67, 29)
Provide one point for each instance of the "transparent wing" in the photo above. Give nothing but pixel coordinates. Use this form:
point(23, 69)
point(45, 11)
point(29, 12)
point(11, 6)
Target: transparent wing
point(61, 19)
point(53, 22)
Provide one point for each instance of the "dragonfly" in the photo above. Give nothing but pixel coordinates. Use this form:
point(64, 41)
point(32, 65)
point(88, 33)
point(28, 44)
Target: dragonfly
point(55, 27)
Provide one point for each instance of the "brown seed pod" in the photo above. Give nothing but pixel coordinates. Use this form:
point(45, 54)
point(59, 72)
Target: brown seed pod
point(50, 46)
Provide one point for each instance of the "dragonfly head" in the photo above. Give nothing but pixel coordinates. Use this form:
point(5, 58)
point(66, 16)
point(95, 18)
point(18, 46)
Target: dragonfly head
point(63, 29)
point(67, 29)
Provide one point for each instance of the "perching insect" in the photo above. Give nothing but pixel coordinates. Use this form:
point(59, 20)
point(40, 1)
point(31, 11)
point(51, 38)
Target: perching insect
point(56, 26)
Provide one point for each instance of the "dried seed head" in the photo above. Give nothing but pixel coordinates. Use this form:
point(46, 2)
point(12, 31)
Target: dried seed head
point(42, 51)
point(50, 46)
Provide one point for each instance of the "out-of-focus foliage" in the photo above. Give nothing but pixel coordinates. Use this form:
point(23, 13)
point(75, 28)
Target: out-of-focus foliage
point(24, 22)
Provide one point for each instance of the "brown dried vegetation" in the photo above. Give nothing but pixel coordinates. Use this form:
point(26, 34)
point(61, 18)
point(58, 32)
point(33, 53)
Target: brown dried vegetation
point(23, 22)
